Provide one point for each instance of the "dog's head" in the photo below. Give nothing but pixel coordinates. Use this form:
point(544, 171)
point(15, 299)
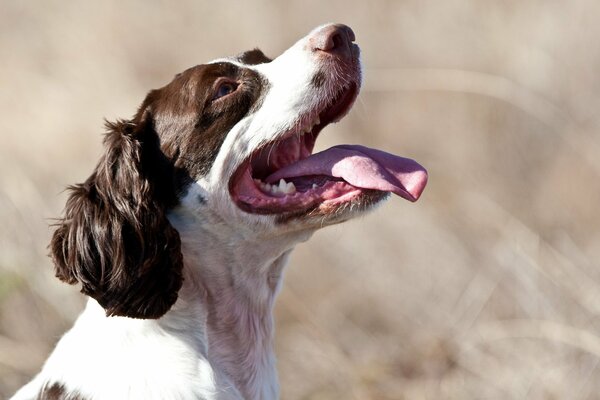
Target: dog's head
point(231, 143)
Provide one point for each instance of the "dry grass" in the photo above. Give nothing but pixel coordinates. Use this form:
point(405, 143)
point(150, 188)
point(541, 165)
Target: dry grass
point(488, 287)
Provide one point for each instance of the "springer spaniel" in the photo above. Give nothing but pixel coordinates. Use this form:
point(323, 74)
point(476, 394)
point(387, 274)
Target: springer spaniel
point(181, 234)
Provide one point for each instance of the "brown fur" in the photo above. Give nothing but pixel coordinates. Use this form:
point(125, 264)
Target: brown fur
point(115, 238)
point(253, 57)
point(57, 391)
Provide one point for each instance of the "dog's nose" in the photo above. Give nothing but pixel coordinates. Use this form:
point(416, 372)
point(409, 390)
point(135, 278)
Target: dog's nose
point(334, 39)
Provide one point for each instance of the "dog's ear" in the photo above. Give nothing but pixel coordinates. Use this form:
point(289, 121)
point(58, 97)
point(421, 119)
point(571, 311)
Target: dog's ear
point(115, 238)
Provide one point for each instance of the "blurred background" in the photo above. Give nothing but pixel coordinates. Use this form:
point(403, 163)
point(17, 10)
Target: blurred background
point(488, 287)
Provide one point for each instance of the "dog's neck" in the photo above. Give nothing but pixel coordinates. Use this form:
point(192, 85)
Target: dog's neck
point(236, 287)
point(239, 325)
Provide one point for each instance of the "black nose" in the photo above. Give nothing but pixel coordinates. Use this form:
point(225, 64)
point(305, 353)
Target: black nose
point(335, 39)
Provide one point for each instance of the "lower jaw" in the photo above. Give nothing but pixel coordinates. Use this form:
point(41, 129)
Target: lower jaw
point(331, 213)
point(351, 199)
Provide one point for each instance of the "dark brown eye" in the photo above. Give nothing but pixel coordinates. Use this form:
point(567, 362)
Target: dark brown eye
point(224, 89)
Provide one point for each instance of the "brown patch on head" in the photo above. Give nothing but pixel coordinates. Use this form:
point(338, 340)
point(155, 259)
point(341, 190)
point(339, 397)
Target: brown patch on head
point(57, 391)
point(253, 57)
point(192, 121)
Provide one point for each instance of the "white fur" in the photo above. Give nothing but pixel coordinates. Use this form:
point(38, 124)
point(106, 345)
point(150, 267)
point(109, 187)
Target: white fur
point(216, 341)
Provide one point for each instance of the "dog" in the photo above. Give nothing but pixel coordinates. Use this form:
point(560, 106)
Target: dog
point(181, 234)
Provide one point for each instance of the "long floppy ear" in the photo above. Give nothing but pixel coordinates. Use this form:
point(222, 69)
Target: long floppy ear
point(115, 238)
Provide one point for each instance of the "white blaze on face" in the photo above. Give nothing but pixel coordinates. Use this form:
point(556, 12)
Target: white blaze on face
point(291, 93)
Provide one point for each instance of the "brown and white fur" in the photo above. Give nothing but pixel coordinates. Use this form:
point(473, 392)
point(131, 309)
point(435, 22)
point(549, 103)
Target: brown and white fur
point(181, 274)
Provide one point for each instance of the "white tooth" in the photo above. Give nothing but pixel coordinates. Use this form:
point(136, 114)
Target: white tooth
point(290, 188)
point(314, 185)
point(267, 186)
point(282, 185)
point(317, 121)
point(274, 189)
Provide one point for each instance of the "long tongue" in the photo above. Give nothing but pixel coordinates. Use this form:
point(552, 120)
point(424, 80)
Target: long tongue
point(362, 167)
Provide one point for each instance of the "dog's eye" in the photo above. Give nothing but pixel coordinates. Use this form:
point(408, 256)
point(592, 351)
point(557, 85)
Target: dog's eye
point(224, 89)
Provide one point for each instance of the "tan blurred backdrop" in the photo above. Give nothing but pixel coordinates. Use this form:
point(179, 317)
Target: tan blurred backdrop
point(488, 287)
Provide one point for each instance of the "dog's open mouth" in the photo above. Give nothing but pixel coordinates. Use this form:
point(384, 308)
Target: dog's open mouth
point(285, 177)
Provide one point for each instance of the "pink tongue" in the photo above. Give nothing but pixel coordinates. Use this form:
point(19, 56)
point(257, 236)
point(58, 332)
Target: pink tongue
point(362, 167)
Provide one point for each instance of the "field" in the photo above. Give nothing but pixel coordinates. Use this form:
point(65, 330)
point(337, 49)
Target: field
point(486, 288)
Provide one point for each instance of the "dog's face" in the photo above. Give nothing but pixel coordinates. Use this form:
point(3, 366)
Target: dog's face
point(243, 129)
point(231, 143)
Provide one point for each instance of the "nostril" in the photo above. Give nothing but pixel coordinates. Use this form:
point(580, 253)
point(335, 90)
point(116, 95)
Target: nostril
point(337, 41)
point(329, 41)
point(333, 39)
